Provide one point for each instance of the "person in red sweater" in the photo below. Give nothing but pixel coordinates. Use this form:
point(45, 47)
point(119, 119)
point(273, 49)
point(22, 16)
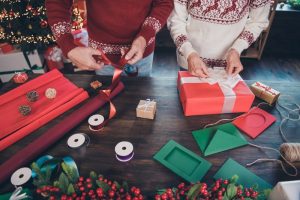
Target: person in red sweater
point(114, 27)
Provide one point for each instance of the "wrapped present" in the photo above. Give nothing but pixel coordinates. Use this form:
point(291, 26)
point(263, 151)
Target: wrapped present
point(265, 92)
point(146, 109)
point(214, 95)
point(6, 48)
point(54, 58)
point(288, 190)
point(81, 37)
point(15, 61)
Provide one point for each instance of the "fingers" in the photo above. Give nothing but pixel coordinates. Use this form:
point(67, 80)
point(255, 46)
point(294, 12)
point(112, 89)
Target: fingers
point(234, 68)
point(238, 69)
point(136, 57)
point(131, 53)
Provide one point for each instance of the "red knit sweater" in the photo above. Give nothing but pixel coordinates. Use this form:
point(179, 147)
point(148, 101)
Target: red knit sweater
point(111, 24)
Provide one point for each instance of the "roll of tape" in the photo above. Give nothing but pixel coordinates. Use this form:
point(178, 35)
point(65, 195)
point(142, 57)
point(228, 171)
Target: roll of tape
point(95, 122)
point(124, 151)
point(21, 176)
point(78, 140)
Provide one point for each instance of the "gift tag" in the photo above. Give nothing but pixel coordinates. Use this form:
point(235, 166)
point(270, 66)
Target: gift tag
point(255, 122)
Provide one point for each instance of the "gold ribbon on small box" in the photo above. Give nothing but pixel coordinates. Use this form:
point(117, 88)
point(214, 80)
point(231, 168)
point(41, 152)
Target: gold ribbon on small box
point(265, 89)
point(147, 104)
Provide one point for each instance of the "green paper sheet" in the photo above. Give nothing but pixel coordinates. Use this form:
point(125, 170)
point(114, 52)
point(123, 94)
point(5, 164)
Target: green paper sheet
point(219, 138)
point(246, 177)
point(182, 161)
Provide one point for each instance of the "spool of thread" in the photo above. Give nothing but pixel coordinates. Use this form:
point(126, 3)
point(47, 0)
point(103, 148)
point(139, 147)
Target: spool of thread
point(95, 122)
point(78, 142)
point(124, 151)
point(291, 151)
point(21, 176)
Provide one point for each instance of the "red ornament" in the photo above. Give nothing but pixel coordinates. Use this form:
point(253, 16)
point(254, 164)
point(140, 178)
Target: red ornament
point(29, 7)
point(43, 23)
point(20, 77)
point(11, 14)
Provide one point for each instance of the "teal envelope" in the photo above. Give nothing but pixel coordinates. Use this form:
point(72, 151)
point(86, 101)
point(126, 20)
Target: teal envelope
point(182, 161)
point(219, 138)
point(246, 177)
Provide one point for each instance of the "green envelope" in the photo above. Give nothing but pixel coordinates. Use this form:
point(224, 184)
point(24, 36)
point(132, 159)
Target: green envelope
point(219, 138)
point(246, 177)
point(182, 161)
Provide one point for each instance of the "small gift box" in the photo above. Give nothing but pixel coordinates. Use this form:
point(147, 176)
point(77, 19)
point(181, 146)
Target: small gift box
point(146, 109)
point(288, 190)
point(5, 48)
point(264, 92)
point(214, 95)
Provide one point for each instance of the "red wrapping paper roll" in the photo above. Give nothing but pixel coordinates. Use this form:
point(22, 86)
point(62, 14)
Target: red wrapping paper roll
point(53, 134)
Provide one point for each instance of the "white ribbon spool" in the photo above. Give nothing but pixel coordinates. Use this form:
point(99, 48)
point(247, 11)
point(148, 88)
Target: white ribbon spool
point(124, 151)
point(21, 176)
point(77, 140)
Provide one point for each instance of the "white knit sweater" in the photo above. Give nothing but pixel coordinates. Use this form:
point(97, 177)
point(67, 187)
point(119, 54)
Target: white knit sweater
point(212, 27)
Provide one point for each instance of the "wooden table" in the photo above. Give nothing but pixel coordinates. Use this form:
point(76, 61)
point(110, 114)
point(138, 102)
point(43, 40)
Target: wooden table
point(148, 136)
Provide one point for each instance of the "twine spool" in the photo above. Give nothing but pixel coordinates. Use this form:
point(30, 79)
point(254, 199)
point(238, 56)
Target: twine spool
point(124, 151)
point(291, 151)
point(95, 122)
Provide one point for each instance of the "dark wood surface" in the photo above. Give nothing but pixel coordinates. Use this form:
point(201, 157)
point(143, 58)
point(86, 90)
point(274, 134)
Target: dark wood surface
point(148, 136)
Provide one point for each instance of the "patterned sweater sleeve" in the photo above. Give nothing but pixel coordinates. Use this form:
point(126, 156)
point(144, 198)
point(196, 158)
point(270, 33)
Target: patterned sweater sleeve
point(156, 19)
point(257, 22)
point(177, 25)
point(59, 17)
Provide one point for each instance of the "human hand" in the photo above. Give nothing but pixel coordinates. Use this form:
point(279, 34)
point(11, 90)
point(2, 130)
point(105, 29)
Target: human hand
point(196, 66)
point(234, 65)
point(137, 50)
point(82, 57)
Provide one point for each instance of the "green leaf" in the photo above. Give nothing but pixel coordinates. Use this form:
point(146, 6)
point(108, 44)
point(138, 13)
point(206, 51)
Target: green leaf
point(102, 185)
point(194, 191)
point(118, 186)
point(125, 186)
point(48, 174)
point(75, 175)
point(70, 189)
point(234, 179)
point(93, 175)
point(225, 198)
point(247, 198)
point(231, 191)
point(161, 191)
point(255, 187)
point(37, 170)
point(267, 193)
point(56, 184)
point(63, 182)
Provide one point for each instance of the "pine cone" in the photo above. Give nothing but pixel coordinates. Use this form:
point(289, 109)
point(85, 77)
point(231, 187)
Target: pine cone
point(32, 96)
point(24, 110)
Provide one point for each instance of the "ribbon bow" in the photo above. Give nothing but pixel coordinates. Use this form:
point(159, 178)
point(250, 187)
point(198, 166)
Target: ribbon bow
point(147, 104)
point(17, 196)
point(266, 88)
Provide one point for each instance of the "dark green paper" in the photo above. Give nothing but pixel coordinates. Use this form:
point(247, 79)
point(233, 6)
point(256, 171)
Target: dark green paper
point(246, 177)
point(219, 138)
point(182, 161)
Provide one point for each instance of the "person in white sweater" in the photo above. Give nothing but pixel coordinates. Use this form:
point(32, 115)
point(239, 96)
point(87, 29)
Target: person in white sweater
point(213, 33)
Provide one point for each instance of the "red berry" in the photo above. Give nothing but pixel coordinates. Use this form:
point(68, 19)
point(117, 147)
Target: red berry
point(52, 198)
point(128, 197)
point(111, 193)
point(109, 182)
point(81, 189)
point(99, 190)
point(100, 178)
point(89, 185)
point(137, 191)
point(182, 192)
point(83, 194)
point(132, 189)
point(164, 196)
point(38, 191)
point(247, 194)
point(225, 182)
point(82, 198)
point(121, 190)
point(80, 184)
point(141, 197)
point(88, 180)
point(135, 198)
point(69, 198)
point(113, 186)
point(205, 193)
point(220, 197)
point(105, 180)
point(157, 197)
point(81, 179)
point(63, 197)
point(181, 186)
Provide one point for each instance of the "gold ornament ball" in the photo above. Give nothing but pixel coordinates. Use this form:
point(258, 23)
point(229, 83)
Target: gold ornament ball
point(30, 26)
point(50, 93)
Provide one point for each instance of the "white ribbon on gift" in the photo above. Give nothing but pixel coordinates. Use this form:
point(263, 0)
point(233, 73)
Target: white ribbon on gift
point(226, 83)
point(147, 104)
point(17, 196)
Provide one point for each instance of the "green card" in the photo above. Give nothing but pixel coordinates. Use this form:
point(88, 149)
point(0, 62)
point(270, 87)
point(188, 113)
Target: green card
point(182, 161)
point(246, 177)
point(219, 138)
